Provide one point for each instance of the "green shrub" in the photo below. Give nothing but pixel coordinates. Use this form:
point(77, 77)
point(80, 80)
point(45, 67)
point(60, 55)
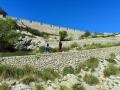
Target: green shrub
point(63, 87)
point(91, 63)
point(7, 71)
point(112, 55)
point(78, 87)
point(68, 70)
point(80, 66)
point(94, 46)
point(49, 74)
point(63, 35)
point(8, 39)
point(110, 60)
point(28, 79)
point(86, 34)
point(90, 79)
point(111, 70)
point(74, 45)
point(53, 50)
point(19, 72)
point(8, 24)
point(4, 87)
point(41, 49)
point(39, 87)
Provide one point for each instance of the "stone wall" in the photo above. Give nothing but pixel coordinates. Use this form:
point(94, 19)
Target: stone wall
point(51, 28)
point(58, 61)
point(89, 41)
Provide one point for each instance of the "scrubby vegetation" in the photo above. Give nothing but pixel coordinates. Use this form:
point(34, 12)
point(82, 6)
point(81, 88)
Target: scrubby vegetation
point(94, 46)
point(91, 79)
point(78, 87)
point(8, 24)
point(4, 87)
point(111, 70)
point(68, 70)
point(29, 73)
point(29, 78)
point(39, 87)
point(65, 88)
point(63, 35)
point(112, 58)
point(86, 34)
point(49, 74)
point(89, 64)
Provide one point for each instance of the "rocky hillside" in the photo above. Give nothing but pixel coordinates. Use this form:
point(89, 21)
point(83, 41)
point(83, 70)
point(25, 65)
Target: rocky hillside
point(91, 74)
point(83, 68)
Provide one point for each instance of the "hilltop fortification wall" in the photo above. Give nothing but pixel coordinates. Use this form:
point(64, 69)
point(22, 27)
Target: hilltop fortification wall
point(58, 61)
point(51, 28)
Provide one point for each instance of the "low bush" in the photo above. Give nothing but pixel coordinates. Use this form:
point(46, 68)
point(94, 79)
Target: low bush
point(28, 79)
point(7, 71)
point(112, 55)
point(28, 70)
point(63, 35)
point(4, 87)
point(91, 63)
point(63, 87)
point(110, 60)
point(95, 46)
point(68, 70)
point(52, 50)
point(81, 66)
point(90, 79)
point(39, 87)
point(86, 34)
point(111, 70)
point(49, 74)
point(78, 87)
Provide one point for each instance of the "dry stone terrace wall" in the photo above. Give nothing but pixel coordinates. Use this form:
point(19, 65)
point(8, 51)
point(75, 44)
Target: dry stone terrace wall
point(58, 61)
point(108, 40)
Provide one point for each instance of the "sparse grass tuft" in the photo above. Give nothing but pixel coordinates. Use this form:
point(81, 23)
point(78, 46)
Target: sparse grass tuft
point(49, 74)
point(39, 87)
point(111, 70)
point(78, 87)
point(28, 79)
point(90, 79)
point(110, 60)
point(4, 87)
point(63, 87)
point(68, 70)
point(91, 63)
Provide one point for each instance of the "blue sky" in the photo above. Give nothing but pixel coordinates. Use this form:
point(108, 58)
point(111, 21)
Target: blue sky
point(88, 15)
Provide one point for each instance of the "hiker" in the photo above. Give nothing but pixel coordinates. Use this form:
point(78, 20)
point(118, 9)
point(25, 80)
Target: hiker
point(47, 47)
point(60, 47)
